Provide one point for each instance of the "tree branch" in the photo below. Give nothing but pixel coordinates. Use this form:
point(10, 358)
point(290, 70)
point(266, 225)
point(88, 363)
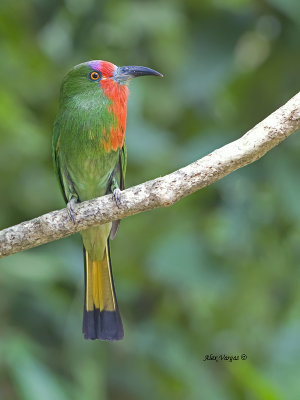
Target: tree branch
point(160, 192)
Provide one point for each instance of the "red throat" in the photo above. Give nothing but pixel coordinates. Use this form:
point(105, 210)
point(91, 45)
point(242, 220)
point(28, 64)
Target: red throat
point(118, 95)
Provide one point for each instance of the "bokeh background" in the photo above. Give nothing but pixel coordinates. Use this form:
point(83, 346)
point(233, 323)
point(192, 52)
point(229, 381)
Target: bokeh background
point(216, 273)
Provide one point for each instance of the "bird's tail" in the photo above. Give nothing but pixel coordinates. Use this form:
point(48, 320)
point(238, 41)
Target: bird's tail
point(101, 316)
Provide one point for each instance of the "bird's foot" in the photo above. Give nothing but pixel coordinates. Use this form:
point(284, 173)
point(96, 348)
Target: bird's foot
point(117, 197)
point(71, 208)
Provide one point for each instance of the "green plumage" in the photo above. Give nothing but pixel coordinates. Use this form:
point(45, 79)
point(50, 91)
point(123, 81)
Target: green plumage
point(84, 167)
point(81, 162)
point(89, 156)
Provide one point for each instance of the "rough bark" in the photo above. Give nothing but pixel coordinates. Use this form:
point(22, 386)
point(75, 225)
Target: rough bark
point(160, 192)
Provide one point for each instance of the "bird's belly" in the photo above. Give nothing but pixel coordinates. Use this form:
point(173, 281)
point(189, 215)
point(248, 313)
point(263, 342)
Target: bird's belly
point(90, 174)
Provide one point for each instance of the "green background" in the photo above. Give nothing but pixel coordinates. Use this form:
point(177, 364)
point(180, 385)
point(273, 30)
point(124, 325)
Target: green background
point(216, 273)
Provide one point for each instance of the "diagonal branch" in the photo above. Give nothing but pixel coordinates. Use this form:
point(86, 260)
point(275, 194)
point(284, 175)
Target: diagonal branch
point(160, 192)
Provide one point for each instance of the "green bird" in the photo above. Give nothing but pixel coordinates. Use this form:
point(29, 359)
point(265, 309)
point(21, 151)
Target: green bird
point(89, 155)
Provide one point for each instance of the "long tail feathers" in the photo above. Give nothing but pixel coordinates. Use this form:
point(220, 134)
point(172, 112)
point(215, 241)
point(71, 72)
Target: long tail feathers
point(101, 316)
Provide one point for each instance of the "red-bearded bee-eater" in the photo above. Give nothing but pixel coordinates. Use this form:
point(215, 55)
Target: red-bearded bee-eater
point(89, 156)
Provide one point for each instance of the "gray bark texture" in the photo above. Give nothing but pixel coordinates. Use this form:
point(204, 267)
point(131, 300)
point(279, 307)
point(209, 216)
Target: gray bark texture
point(160, 192)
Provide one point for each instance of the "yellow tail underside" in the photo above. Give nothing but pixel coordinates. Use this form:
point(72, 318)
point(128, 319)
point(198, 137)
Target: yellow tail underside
point(99, 285)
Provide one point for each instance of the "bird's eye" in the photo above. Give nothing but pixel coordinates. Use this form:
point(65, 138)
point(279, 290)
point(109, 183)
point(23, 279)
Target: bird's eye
point(95, 76)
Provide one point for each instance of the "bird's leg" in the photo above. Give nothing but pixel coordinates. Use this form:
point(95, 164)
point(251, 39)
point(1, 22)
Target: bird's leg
point(116, 192)
point(71, 208)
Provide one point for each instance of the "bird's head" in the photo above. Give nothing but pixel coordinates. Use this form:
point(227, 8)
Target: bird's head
point(120, 75)
point(100, 89)
point(98, 74)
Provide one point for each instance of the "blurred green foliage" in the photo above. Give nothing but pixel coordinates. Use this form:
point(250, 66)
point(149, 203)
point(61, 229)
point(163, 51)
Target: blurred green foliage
point(216, 273)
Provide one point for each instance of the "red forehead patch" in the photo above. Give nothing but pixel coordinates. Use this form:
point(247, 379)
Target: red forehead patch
point(105, 67)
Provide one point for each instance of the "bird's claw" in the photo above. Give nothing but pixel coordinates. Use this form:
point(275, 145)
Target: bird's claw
point(117, 197)
point(71, 209)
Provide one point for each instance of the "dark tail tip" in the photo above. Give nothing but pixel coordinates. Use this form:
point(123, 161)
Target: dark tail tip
point(103, 325)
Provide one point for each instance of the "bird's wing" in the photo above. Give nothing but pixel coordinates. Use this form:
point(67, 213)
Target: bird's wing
point(66, 183)
point(122, 164)
point(55, 158)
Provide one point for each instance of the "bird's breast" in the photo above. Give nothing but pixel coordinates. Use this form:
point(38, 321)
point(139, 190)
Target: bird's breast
point(89, 165)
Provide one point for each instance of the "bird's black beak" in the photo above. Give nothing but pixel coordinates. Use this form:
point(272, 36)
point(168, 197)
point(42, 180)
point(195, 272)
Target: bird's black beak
point(128, 72)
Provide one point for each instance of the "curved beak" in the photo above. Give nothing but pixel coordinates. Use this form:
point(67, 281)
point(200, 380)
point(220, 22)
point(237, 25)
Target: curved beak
point(128, 72)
